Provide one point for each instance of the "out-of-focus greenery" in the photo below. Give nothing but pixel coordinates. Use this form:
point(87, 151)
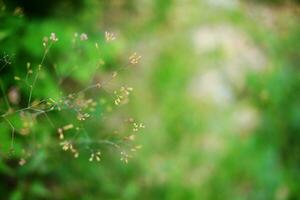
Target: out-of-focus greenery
point(217, 87)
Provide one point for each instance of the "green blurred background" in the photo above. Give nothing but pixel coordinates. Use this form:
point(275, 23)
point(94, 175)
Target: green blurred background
point(217, 88)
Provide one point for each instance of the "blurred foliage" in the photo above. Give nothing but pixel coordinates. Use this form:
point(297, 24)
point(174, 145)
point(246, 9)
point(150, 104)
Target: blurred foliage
point(275, 2)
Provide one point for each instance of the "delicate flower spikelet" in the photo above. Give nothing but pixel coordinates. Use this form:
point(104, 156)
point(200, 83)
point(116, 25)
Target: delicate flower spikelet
point(122, 96)
point(91, 159)
point(68, 146)
point(95, 156)
point(53, 37)
point(45, 41)
point(82, 116)
point(17, 78)
point(135, 148)
point(124, 157)
point(60, 133)
point(67, 127)
point(98, 85)
point(76, 155)
point(65, 145)
point(131, 137)
point(136, 126)
point(134, 58)
point(74, 151)
point(22, 162)
point(98, 153)
point(83, 36)
point(109, 36)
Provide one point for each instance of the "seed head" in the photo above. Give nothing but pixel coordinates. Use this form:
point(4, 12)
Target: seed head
point(134, 58)
point(83, 36)
point(109, 36)
point(53, 37)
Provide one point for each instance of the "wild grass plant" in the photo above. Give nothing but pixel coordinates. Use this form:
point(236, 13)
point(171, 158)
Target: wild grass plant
point(84, 111)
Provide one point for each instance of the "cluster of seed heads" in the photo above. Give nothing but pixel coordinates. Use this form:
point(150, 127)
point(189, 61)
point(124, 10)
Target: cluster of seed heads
point(122, 95)
point(109, 36)
point(136, 126)
point(134, 58)
point(64, 128)
point(68, 146)
point(22, 162)
point(125, 157)
point(76, 102)
point(95, 156)
point(52, 38)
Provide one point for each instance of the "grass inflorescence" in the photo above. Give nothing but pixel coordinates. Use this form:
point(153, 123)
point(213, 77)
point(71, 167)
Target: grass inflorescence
point(85, 112)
